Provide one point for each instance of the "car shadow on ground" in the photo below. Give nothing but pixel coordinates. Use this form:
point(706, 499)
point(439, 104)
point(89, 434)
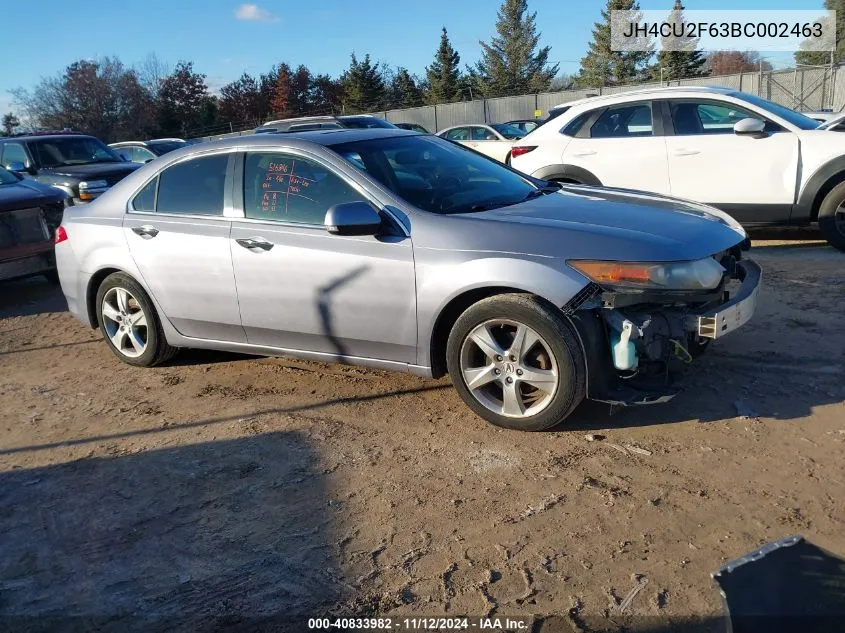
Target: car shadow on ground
point(136, 542)
point(24, 297)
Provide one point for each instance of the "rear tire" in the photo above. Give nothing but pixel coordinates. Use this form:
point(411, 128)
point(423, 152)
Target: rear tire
point(503, 374)
point(832, 217)
point(129, 322)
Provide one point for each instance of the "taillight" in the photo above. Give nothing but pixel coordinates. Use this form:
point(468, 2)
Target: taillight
point(61, 235)
point(519, 150)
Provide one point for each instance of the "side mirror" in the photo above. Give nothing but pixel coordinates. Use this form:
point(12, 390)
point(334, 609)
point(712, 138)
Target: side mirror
point(750, 127)
point(17, 167)
point(352, 218)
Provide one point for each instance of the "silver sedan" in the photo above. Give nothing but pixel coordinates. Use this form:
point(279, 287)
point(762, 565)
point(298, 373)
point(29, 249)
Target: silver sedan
point(403, 251)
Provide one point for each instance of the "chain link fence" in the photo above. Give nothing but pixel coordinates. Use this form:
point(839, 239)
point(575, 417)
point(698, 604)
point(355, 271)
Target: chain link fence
point(803, 89)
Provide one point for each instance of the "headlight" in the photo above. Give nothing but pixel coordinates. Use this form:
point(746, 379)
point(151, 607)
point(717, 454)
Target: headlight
point(703, 274)
point(93, 184)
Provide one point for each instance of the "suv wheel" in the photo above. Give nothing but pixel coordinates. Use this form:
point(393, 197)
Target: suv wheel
point(129, 322)
point(516, 362)
point(832, 217)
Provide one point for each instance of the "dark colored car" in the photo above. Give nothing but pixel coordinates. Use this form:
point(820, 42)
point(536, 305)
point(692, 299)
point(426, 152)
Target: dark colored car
point(80, 165)
point(526, 125)
point(30, 214)
point(145, 151)
point(414, 127)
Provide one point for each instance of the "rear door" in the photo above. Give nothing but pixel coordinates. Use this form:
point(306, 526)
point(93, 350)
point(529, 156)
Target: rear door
point(751, 178)
point(623, 146)
point(178, 235)
point(301, 288)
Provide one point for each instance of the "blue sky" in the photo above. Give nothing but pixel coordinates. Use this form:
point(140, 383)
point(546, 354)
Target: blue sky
point(225, 38)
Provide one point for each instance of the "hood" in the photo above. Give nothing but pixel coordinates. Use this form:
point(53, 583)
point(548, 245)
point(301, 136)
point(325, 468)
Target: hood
point(600, 223)
point(28, 193)
point(93, 170)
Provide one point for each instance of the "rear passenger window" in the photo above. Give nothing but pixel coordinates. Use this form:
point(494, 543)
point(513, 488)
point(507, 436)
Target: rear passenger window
point(193, 187)
point(625, 120)
point(145, 200)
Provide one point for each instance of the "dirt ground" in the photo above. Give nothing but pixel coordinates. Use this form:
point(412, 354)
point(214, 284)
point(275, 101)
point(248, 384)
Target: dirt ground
point(240, 488)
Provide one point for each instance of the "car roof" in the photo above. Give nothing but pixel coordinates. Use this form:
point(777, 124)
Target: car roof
point(44, 137)
point(651, 92)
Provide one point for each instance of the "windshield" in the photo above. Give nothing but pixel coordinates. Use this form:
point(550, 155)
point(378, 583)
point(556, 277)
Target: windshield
point(510, 132)
point(797, 119)
point(436, 175)
point(7, 177)
point(162, 147)
point(78, 150)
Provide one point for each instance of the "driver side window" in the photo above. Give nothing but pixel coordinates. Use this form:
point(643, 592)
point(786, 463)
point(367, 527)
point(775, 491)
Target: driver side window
point(711, 117)
point(289, 188)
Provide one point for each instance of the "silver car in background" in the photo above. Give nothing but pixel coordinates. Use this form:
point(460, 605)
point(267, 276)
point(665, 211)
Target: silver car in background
point(395, 250)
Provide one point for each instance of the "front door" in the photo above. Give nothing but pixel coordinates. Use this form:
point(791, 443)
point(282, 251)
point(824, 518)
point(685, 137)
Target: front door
point(301, 288)
point(179, 240)
point(752, 178)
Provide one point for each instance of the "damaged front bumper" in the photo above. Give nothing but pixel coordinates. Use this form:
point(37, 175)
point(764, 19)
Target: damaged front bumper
point(735, 312)
point(668, 333)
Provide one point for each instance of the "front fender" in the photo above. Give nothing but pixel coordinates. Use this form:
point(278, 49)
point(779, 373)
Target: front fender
point(803, 209)
point(440, 282)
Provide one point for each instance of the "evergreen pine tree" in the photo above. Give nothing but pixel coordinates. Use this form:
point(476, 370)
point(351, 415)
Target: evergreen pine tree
point(406, 91)
point(444, 75)
point(818, 58)
point(363, 86)
point(512, 63)
point(602, 66)
point(684, 60)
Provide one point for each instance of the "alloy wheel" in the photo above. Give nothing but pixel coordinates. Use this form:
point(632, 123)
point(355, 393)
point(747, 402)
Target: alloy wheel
point(509, 368)
point(125, 322)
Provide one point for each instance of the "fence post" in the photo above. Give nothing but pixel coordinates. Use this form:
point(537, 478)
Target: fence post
point(436, 127)
point(536, 103)
point(486, 114)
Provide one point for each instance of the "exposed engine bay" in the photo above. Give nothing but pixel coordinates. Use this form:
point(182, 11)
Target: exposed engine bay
point(643, 341)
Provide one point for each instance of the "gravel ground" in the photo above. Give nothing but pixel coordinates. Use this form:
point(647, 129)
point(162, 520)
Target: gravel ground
point(239, 488)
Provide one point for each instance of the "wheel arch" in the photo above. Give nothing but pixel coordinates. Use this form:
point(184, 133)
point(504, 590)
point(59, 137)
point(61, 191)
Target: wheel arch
point(569, 173)
point(450, 313)
point(94, 284)
point(817, 187)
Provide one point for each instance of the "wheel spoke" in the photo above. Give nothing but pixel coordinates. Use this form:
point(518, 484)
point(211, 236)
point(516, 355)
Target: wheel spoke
point(512, 399)
point(479, 376)
point(543, 379)
point(110, 312)
point(118, 338)
point(138, 319)
point(136, 342)
point(122, 299)
point(524, 339)
point(482, 337)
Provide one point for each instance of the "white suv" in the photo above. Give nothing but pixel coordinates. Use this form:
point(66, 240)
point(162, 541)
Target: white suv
point(761, 162)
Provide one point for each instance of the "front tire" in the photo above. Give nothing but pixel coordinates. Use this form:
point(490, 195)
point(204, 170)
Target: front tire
point(516, 362)
point(832, 217)
point(129, 322)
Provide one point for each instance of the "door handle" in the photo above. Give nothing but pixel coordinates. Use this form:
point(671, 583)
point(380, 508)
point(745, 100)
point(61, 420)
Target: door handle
point(146, 231)
point(588, 152)
point(255, 242)
point(686, 152)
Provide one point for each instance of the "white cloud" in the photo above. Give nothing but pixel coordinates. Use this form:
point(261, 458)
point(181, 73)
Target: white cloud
point(254, 13)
